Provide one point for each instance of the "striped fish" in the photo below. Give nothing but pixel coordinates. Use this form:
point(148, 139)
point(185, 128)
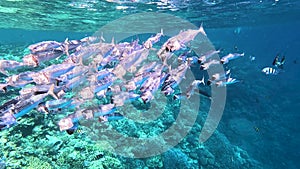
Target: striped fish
point(270, 71)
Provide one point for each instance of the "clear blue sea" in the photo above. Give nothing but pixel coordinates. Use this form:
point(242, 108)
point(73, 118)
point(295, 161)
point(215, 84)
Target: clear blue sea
point(259, 126)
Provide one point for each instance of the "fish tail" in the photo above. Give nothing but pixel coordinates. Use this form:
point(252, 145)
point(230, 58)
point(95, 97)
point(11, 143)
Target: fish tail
point(51, 92)
point(162, 31)
point(201, 30)
point(113, 40)
point(202, 81)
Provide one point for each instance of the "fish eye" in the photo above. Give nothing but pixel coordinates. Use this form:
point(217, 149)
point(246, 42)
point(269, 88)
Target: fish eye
point(167, 49)
point(208, 83)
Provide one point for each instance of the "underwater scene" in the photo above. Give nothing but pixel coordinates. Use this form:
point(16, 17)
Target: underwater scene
point(146, 84)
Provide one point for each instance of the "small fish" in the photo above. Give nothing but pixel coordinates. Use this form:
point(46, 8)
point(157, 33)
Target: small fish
point(204, 58)
point(111, 117)
point(124, 97)
point(65, 123)
point(195, 85)
point(220, 76)
point(152, 40)
point(206, 66)
point(145, 68)
point(6, 65)
point(44, 46)
point(279, 63)
point(252, 58)
point(57, 104)
point(270, 71)
point(105, 110)
point(230, 56)
point(135, 59)
point(256, 128)
point(177, 42)
point(226, 82)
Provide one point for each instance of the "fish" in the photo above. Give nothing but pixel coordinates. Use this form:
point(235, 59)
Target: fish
point(183, 57)
point(206, 66)
point(230, 56)
point(49, 74)
point(145, 68)
point(57, 104)
point(228, 81)
point(22, 108)
point(270, 71)
point(152, 40)
point(133, 60)
point(110, 117)
point(220, 76)
point(205, 57)
point(256, 128)
point(20, 80)
point(45, 46)
point(6, 65)
point(105, 110)
point(178, 74)
point(177, 42)
point(277, 63)
point(9, 104)
point(124, 97)
point(41, 89)
point(193, 86)
point(66, 123)
point(98, 78)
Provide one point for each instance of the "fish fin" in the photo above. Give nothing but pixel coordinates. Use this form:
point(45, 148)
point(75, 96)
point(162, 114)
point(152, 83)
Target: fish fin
point(66, 46)
point(202, 81)
point(66, 41)
point(162, 31)
point(201, 29)
point(80, 61)
point(4, 72)
point(275, 60)
point(51, 92)
point(102, 38)
point(113, 40)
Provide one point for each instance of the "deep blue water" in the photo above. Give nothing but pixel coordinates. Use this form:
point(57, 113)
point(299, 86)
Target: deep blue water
point(269, 103)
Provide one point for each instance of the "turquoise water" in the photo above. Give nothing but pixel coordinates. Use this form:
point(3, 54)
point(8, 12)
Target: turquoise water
point(259, 126)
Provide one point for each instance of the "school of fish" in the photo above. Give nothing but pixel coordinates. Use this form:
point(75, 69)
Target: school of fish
point(93, 78)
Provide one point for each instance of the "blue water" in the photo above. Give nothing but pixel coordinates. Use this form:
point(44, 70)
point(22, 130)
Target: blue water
point(261, 115)
point(268, 103)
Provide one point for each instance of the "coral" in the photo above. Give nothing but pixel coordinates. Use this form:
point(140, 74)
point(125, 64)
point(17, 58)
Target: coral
point(175, 158)
point(35, 162)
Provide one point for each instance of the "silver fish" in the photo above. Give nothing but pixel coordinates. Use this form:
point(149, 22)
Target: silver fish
point(152, 40)
point(6, 65)
point(204, 58)
point(230, 56)
point(206, 66)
